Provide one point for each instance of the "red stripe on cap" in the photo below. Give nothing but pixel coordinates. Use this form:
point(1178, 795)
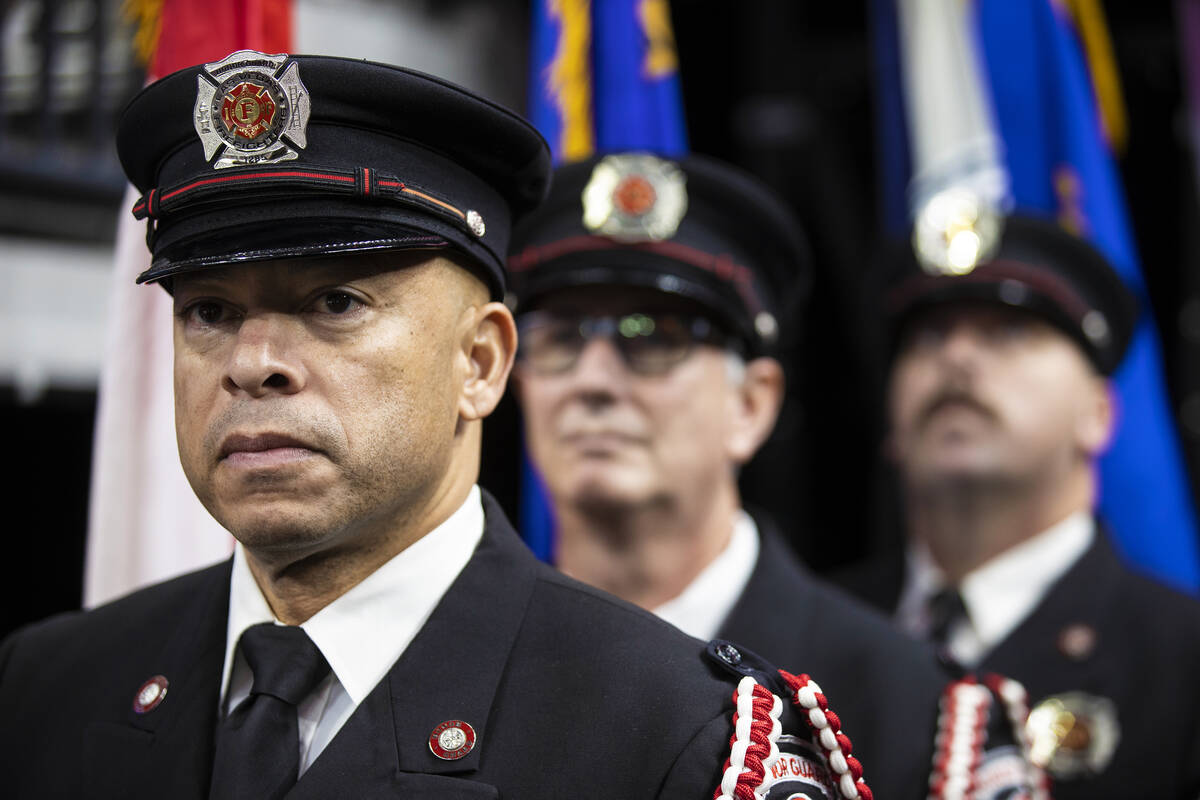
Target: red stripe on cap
point(1050, 286)
point(256, 175)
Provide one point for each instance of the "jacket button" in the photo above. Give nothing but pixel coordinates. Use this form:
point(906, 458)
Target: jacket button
point(729, 654)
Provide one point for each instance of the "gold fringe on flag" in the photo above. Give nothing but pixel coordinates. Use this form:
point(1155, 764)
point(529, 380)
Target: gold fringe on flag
point(662, 58)
point(147, 16)
point(570, 78)
point(1102, 64)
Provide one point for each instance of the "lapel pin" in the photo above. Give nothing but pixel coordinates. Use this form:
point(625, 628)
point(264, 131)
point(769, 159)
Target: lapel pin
point(150, 695)
point(1078, 641)
point(452, 739)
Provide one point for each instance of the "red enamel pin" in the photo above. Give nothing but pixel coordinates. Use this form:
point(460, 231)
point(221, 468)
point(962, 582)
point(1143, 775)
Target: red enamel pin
point(452, 739)
point(150, 695)
point(248, 110)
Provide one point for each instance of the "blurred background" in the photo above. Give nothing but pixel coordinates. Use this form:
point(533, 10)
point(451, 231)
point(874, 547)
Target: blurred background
point(785, 88)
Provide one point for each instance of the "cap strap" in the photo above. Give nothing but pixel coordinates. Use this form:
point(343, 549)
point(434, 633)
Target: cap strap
point(362, 182)
point(721, 265)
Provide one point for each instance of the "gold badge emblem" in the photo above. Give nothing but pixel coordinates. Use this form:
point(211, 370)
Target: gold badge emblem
point(248, 110)
point(251, 108)
point(635, 198)
point(1073, 734)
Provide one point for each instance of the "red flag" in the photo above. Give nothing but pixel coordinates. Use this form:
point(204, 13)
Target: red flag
point(144, 522)
point(192, 32)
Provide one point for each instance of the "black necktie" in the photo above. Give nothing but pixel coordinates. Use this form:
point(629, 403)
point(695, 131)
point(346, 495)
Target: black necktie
point(945, 610)
point(258, 744)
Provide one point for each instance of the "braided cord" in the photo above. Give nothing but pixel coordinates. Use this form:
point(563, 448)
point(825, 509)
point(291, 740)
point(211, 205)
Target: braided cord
point(1016, 704)
point(962, 733)
point(753, 748)
point(827, 734)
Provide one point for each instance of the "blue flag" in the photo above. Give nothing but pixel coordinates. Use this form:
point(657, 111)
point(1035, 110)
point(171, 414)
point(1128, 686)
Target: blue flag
point(1060, 164)
point(604, 77)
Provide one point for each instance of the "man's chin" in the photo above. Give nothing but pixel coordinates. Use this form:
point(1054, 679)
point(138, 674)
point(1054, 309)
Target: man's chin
point(266, 531)
point(955, 473)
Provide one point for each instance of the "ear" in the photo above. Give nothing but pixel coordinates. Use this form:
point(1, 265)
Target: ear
point(1097, 418)
point(755, 408)
point(489, 344)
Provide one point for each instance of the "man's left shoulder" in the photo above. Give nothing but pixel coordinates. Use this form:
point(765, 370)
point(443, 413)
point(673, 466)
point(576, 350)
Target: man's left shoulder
point(683, 697)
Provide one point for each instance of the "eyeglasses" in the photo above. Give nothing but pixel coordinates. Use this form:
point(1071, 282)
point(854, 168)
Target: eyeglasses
point(649, 344)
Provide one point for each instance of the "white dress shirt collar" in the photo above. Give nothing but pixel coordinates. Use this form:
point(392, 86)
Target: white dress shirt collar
point(700, 609)
point(363, 632)
point(998, 595)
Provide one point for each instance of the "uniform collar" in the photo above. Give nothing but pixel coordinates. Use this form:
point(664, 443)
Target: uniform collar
point(1002, 592)
point(363, 632)
point(700, 608)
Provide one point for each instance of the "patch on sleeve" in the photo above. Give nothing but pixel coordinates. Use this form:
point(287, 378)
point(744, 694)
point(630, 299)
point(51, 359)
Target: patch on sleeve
point(800, 773)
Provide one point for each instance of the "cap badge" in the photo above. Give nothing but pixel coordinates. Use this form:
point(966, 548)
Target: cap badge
point(635, 197)
point(452, 739)
point(150, 694)
point(251, 108)
point(1073, 734)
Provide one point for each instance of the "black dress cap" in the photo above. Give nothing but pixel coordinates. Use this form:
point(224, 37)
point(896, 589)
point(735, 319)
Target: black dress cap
point(269, 156)
point(1039, 267)
point(694, 227)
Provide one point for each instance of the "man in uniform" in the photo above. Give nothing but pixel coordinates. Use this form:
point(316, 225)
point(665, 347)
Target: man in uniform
point(999, 404)
point(650, 295)
point(332, 233)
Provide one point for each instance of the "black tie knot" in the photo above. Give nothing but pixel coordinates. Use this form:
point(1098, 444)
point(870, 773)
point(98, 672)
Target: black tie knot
point(945, 609)
point(285, 662)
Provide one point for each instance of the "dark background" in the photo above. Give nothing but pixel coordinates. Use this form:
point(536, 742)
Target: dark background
point(781, 87)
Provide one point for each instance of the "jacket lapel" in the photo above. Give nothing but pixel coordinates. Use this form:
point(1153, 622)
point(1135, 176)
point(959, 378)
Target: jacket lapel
point(450, 671)
point(777, 582)
point(167, 751)
point(1080, 600)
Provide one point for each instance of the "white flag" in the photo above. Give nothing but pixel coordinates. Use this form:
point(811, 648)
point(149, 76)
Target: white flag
point(144, 522)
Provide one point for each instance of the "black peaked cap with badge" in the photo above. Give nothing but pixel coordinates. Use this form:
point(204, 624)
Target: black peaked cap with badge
point(1039, 267)
point(263, 156)
point(693, 227)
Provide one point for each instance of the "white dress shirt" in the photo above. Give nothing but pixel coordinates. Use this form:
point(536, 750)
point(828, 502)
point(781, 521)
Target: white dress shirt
point(363, 632)
point(700, 609)
point(1000, 594)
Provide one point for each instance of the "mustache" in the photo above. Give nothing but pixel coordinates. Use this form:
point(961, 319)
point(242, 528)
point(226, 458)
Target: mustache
point(574, 423)
point(953, 395)
point(314, 433)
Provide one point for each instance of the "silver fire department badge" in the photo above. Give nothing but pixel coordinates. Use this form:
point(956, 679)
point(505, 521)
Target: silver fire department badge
point(635, 198)
point(1073, 734)
point(251, 108)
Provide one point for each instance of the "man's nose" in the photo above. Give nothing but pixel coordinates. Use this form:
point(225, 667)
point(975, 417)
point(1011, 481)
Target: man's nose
point(961, 343)
point(600, 373)
point(262, 360)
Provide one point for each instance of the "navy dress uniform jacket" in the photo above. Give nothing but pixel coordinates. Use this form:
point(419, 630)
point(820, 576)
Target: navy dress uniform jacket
point(884, 685)
point(1142, 652)
point(572, 693)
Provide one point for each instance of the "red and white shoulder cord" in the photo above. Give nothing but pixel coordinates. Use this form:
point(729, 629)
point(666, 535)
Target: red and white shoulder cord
point(962, 733)
point(756, 729)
